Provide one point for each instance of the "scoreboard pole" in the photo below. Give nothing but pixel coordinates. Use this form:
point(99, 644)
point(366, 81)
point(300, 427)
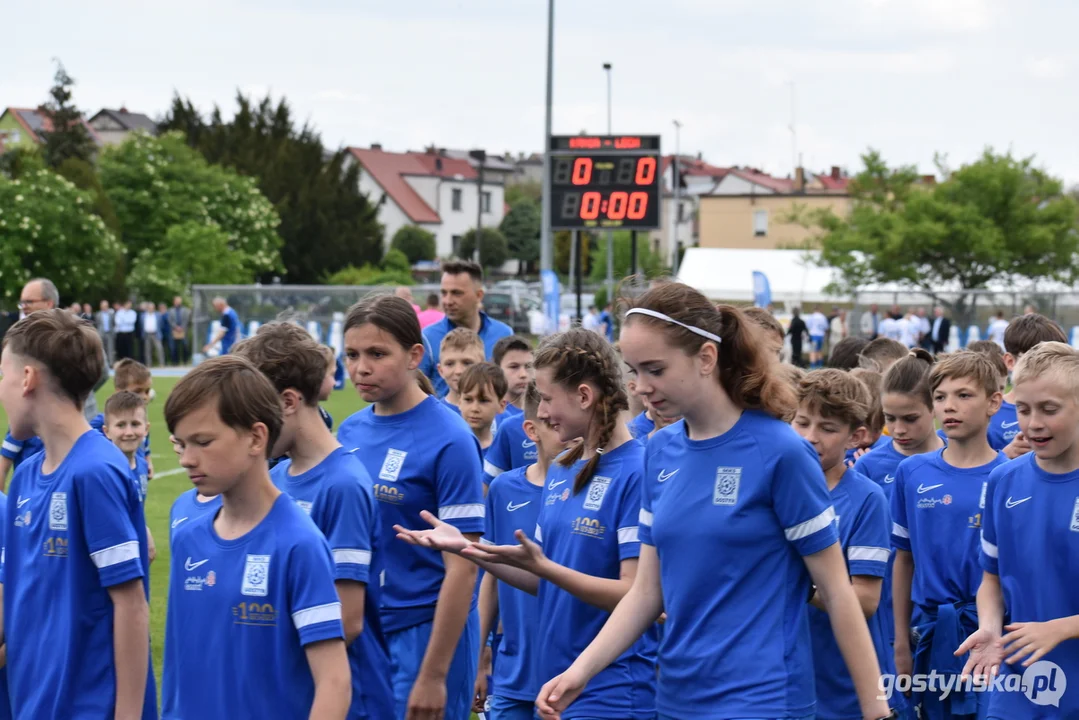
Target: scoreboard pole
point(578, 239)
point(546, 240)
point(633, 257)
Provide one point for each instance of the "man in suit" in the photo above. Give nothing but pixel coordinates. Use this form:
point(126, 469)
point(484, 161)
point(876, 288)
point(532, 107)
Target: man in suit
point(179, 319)
point(940, 330)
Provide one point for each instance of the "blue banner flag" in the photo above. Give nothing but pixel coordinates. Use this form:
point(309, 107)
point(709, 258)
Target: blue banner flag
point(762, 291)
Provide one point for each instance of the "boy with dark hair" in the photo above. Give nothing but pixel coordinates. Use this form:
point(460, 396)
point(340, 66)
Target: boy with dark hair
point(833, 409)
point(514, 355)
point(254, 621)
point(460, 349)
point(334, 489)
point(76, 618)
point(881, 353)
point(482, 391)
point(511, 447)
point(937, 508)
point(845, 353)
point(132, 376)
point(774, 333)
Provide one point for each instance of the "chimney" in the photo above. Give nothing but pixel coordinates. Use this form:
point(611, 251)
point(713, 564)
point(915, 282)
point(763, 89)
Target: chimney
point(376, 146)
point(835, 172)
point(799, 179)
point(438, 164)
point(700, 156)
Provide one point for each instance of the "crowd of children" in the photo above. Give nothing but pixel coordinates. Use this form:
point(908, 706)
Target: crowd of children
point(677, 526)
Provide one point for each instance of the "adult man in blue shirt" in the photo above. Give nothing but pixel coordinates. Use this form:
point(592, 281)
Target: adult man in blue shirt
point(229, 332)
point(462, 294)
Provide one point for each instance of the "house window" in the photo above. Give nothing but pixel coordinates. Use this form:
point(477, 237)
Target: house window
point(760, 223)
point(681, 213)
point(456, 241)
point(456, 199)
point(486, 202)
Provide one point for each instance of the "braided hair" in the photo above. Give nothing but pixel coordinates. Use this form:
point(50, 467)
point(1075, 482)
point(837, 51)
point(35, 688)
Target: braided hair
point(580, 356)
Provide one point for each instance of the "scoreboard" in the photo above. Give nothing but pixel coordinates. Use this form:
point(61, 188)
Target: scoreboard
point(605, 182)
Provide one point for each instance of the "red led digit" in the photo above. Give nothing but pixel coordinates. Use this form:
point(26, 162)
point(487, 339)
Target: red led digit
point(582, 171)
point(638, 204)
point(590, 206)
point(646, 171)
point(616, 206)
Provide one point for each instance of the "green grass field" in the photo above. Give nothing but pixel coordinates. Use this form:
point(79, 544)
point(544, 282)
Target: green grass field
point(170, 481)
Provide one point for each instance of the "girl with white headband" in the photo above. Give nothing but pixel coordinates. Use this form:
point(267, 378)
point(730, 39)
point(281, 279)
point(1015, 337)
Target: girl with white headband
point(735, 528)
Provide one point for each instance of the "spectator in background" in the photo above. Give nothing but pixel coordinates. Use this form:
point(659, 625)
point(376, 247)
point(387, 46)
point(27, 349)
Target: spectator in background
point(797, 332)
point(606, 322)
point(1030, 310)
point(817, 324)
point(940, 331)
point(924, 330)
point(996, 329)
point(125, 319)
point(837, 328)
point(163, 331)
point(76, 309)
point(229, 332)
point(151, 336)
point(871, 322)
point(179, 318)
point(406, 294)
point(87, 313)
point(590, 321)
point(431, 314)
point(105, 328)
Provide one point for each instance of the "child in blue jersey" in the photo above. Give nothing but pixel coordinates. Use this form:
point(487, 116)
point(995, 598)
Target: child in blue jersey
point(937, 510)
point(510, 448)
point(253, 627)
point(513, 355)
point(874, 436)
point(832, 411)
point(15, 451)
point(736, 526)
point(513, 503)
point(132, 376)
point(126, 426)
point(76, 619)
point(328, 383)
point(335, 490)
point(1030, 551)
point(1003, 427)
point(5, 700)
point(460, 349)
point(583, 557)
point(421, 457)
point(481, 393)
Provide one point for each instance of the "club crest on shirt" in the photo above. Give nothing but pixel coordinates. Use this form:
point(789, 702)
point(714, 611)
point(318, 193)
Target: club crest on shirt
point(1075, 516)
point(58, 511)
point(391, 466)
point(256, 576)
point(727, 481)
point(304, 505)
point(597, 489)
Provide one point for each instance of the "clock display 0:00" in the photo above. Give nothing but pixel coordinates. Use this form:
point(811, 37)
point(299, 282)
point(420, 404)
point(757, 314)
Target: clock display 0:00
point(619, 205)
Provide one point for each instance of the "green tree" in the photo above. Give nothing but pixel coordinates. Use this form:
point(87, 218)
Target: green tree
point(20, 161)
point(192, 252)
point(156, 183)
point(521, 226)
point(494, 251)
point(528, 190)
point(416, 243)
point(563, 241)
point(67, 137)
point(326, 222)
point(997, 219)
point(48, 229)
point(649, 264)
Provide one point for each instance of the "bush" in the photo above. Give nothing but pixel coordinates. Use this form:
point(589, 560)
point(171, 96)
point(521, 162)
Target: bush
point(494, 250)
point(416, 243)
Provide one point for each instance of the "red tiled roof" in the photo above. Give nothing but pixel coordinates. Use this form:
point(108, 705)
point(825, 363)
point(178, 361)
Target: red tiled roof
point(779, 185)
point(389, 168)
point(833, 183)
point(450, 167)
point(694, 167)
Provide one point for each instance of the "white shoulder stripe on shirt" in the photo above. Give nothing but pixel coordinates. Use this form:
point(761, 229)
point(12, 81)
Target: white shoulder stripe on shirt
point(351, 556)
point(900, 531)
point(459, 512)
point(864, 553)
point(116, 554)
point(318, 614)
point(813, 525)
point(12, 447)
point(539, 534)
point(644, 517)
point(492, 469)
point(989, 548)
point(627, 535)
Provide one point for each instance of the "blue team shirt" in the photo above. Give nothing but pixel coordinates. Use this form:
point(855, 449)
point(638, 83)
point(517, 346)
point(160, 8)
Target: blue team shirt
point(71, 535)
point(1003, 426)
point(513, 503)
point(187, 507)
point(592, 532)
point(937, 517)
point(864, 530)
point(1030, 538)
point(641, 426)
point(339, 497)
point(425, 458)
point(5, 702)
point(491, 331)
point(510, 449)
point(882, 441)
point(18, 450)
point(231, 322)
point(736, 642)
point(241, 612)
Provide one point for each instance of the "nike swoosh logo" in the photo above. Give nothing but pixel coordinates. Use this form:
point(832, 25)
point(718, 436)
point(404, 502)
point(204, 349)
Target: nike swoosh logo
point(553, 485)
point(924, 489)
point(177, 521)
point(22, 501)
point(1009, 425)
point(527, 444)
point(889, 479)
point(1012, 503)
point(511, 507)
point(665, 476)
point(189, 566)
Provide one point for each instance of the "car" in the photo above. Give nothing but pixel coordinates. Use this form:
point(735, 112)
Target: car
point(507, 308)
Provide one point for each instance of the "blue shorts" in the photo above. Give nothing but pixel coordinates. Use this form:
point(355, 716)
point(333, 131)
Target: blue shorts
point(816, 342)
point(407, 648)
point(503, 708)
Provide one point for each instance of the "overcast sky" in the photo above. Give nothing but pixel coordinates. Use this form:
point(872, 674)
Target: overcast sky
point(908, 77)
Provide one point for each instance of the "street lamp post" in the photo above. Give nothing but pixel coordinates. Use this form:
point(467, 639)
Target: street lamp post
point(677, 198)
point(480, 156)
point(610, 233)
point(546, 243)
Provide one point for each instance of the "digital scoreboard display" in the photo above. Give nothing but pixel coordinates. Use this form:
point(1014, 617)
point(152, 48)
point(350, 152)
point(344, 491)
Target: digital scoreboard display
point(605, 182)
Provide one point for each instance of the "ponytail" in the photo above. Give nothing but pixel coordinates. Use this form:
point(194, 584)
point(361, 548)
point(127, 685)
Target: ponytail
point(910, 376)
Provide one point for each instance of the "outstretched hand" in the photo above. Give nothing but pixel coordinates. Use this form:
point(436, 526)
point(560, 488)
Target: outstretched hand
point(442, 536)
point(526, 556)
point(986, 654)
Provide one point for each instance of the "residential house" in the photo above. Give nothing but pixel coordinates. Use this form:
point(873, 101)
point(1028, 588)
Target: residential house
point(696, 178)
point(528, 169)
point(25, 127)
point(748, 208)
point(429, 189)
point(112, 126)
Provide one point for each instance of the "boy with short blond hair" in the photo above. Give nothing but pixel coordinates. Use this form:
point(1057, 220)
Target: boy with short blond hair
point(132, 376)
point(76, 618)
point(482, 390)
point(937, 511)
point(833, 409)
point(460, 349)
point(1032, 517)
point(263, 572)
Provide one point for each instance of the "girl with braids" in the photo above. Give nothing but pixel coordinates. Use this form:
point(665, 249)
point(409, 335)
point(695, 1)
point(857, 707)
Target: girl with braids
point(583, 556)
point(736, 527)
point(422, 457)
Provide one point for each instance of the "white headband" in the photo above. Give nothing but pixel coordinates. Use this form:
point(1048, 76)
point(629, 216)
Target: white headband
point(668, 318)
